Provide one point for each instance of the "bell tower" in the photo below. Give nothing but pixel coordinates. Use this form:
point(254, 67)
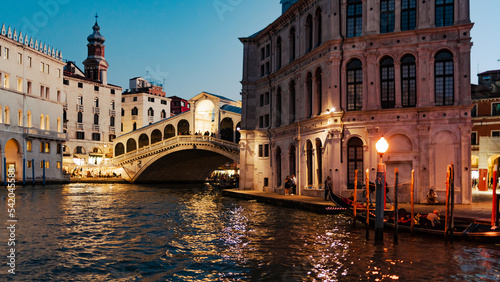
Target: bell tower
point(96, 66)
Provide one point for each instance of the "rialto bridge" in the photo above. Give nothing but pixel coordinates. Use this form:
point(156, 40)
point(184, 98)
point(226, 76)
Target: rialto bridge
point(183, 148)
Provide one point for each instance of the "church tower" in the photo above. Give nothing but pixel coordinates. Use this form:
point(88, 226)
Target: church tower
point(96, 66)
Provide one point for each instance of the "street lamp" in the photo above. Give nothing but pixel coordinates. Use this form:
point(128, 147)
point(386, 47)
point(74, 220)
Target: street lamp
point(382, 147)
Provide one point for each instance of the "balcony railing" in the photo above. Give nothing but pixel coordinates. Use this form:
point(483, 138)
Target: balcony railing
point(97, 110)
point(151, 119)
point(65, 125)
point(112, 113)
point(79, 108)
point(45, 134)
point(112, 129)
point(79, 126)
point(65, 106)
point(95, 128)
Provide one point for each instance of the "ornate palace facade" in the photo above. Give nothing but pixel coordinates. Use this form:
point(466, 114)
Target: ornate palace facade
point(328, 78)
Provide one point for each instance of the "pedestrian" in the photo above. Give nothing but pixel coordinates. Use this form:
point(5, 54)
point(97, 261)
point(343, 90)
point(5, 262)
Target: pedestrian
point(432, 197)
point(288, 184)
point(294, 184)
point(387, 193)
point(328, 187)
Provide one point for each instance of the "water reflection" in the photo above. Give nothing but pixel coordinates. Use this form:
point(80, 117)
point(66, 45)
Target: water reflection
point(152, 233)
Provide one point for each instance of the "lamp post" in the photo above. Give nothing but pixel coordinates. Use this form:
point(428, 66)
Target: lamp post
point(382, 147)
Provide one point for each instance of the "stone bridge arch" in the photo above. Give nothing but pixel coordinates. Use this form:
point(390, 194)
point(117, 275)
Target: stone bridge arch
point(181, 159)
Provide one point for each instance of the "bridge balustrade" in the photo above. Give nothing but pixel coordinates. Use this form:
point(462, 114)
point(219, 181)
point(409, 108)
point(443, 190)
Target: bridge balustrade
point(179, 139)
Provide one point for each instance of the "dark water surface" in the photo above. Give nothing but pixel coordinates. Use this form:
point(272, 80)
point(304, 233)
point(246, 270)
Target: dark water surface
point(117, 232)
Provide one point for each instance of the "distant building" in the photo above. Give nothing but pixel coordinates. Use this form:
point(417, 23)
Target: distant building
point(327, 79)
point(31, 108)
point(143, 104)
point(90, 112)
point(485, 137)
point(179, 105)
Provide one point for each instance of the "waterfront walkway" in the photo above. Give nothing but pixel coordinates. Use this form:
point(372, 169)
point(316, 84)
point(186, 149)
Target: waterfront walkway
point(479, 211)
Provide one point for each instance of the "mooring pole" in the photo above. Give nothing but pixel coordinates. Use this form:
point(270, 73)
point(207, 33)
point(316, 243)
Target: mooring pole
point(494, 198)
point(412, 192)
point(396, 212)
point(452, 199)
point(354, 202)
point(367, 225)
point(379, 209)
point(446, 225)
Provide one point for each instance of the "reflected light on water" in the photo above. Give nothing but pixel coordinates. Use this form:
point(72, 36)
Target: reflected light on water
point(123, 232)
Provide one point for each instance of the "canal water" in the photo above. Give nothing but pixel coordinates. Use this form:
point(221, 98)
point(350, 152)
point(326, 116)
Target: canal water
point(120, 232)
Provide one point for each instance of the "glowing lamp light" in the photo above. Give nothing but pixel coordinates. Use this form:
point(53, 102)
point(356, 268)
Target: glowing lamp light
point(382, 146)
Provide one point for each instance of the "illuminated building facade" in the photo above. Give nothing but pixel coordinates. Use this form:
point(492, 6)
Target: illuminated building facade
point(327, 79)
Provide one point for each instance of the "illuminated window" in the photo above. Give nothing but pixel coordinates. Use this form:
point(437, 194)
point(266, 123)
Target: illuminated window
point(19, 58)
point(29, 146)
point(19, 85)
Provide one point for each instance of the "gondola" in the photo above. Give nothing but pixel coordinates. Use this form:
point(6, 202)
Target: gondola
point(461, 229)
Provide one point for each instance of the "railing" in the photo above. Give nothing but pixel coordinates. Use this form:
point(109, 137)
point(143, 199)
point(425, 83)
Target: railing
point(79, 126)
point(65, 106)
point(112, 113)
point(95, 127)
point(39, 133)
point(151, 119)
point(79, 108)
point(97, 110)
point(65, 125)
point(189, 139)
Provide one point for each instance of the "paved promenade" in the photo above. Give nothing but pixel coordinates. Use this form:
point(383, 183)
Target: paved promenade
point(480, 210)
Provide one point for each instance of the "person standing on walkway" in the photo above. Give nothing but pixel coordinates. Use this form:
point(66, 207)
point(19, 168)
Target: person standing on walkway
point(288, 184)
point(294, 184)
point(328, 187)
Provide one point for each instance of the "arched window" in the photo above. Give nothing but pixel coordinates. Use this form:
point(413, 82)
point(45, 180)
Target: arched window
point(112, 105)
point(79, 100)
point(134, 126)
point(387, 83)
point(408, 81)
point(292, 101)
point(42, 122)
point(444, 12)
point(183, 127)
point(278, 107)
point(309, 98)
point(65, 116)
point(135, 111)
point(30, 119)
point(169, 131)
point(121, 127)
point(123, 112)
point(227, 129)
point(151, 112)
point(309, 161)
point(111, 121)
point(408, 14)
point(163, 114)
point(131, 145)
point(354, 18)
point(80, 117)
point(354, 159)
point(156, 136)
point(7, 115)
point(20, 117)
point(387, 11)
point(443, 78)
point(119, 149)
point(319, 27)
point(59, 128)
point(47, 122)
point(96, 119)
point(291, 160)
point(292, 44)
point(319, 91)
point(354, 85)
point(143, 141)
point(96, 102)
point(278, 53)
point(309, 33)
point(319, 159)
point(278, 166)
